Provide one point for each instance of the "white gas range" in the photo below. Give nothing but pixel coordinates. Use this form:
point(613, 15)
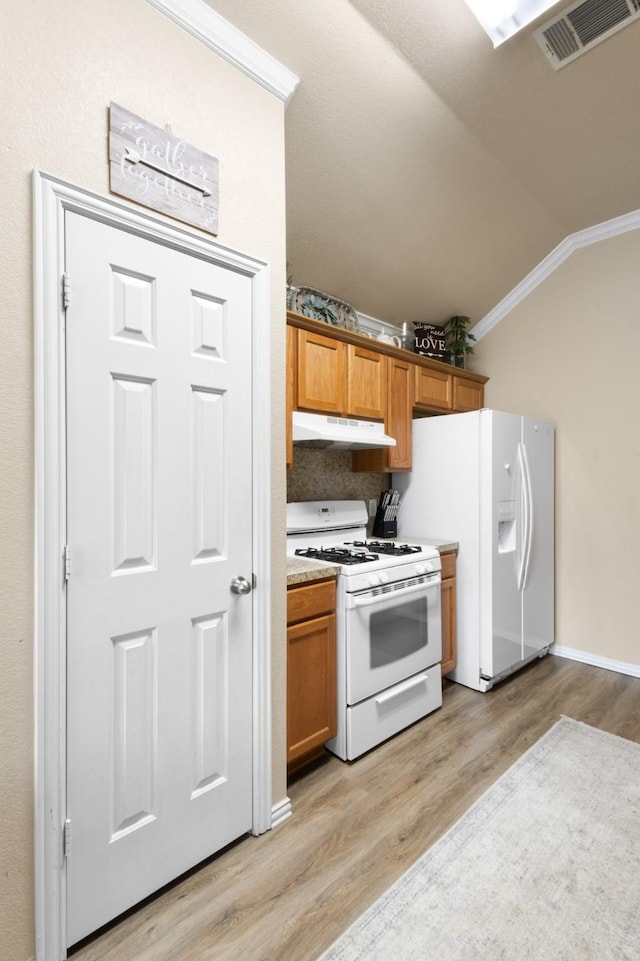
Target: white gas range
point(389, 644)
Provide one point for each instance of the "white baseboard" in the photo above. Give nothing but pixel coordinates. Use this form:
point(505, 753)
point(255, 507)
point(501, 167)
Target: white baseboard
point(280, 812)
point(633, 670)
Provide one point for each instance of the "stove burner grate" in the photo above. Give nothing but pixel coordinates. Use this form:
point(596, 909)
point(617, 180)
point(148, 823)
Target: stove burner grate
point(337, 555)
point(389, 547)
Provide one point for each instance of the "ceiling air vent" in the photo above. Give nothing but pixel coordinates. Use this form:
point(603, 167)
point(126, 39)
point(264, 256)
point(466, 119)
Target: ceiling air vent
point(581, 26)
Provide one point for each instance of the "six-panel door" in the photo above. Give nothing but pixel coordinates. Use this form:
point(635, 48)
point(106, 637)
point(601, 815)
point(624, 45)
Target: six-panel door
point(159, 668)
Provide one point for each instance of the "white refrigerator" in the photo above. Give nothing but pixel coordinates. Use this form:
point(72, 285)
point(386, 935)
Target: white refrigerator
point(486, 480)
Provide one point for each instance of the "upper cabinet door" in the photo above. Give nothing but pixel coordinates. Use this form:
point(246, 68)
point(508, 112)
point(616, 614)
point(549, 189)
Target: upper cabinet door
point(321, 373)
point(433, 389)
point(366, 383)
point(292, 387)
point(467, 394)
point(397, 423)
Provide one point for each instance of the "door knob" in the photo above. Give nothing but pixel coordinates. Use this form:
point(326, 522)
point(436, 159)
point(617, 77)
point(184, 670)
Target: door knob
point(240, 585)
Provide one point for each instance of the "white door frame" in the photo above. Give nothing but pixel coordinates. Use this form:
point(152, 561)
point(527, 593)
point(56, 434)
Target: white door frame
point(52, 198)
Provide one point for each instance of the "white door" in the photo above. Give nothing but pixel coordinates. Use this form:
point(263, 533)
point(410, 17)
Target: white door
point(159, 684)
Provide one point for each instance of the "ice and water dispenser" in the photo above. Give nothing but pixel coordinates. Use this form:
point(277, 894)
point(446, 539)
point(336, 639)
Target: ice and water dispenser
point(506, 526)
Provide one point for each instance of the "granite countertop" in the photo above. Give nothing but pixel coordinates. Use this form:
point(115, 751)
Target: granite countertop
point(443, 545)
point(301, 570)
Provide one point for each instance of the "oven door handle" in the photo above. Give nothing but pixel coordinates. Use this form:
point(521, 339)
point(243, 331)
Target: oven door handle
point(418, 681)
point(365, 600)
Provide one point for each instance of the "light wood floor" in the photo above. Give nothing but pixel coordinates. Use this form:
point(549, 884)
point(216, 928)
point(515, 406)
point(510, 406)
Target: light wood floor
point(286, 895)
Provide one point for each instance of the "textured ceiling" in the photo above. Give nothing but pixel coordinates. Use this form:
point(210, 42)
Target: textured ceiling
point(428, 173)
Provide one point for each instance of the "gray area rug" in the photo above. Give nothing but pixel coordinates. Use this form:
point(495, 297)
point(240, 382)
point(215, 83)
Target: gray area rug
point(544, 867)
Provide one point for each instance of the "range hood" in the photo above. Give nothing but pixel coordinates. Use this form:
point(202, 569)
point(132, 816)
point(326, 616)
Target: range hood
point(338, 433)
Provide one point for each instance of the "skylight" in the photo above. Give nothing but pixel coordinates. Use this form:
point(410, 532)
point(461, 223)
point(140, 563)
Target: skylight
point(500, 19)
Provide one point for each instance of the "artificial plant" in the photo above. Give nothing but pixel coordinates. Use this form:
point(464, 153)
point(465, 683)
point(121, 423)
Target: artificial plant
point(319, 309)
point(459, 342)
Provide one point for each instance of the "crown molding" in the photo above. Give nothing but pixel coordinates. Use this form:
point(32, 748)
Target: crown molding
point(583, 238)
point(203, 23)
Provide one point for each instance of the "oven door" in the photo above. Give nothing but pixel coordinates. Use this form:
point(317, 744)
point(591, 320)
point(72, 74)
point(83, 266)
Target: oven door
point(391, 633)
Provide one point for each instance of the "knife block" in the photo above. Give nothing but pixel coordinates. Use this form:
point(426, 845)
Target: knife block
point(382, 528)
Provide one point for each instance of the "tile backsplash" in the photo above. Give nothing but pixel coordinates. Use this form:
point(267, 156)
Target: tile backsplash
point(327, 475)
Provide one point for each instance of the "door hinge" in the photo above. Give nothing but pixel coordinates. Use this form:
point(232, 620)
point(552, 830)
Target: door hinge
point(66, 838)
point(66, 288)
point(67, 561)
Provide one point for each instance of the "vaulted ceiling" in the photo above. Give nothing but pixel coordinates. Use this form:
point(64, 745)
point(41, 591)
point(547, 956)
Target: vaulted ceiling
point(428, 173)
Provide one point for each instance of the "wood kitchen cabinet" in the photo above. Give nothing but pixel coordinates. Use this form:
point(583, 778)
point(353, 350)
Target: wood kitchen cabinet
point(448, 596)
point(446, 392)
point(397, 423)
point(336, 371)
point(311, 670)
point(338, 378)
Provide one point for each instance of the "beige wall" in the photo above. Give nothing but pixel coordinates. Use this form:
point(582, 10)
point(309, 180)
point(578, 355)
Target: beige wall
point(61, 65)
point(569, 352)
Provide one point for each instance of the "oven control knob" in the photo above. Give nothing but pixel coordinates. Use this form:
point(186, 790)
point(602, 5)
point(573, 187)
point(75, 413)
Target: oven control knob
point(384, 577)
point(421, 569)
point(374, 580)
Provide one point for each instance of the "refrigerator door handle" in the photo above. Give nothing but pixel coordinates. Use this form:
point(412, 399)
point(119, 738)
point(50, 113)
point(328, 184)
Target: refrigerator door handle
point(527, 516)
point(529, 496)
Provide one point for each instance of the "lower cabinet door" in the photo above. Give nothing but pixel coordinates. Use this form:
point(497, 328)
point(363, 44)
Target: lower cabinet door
point(311, 686)
point(448, 602)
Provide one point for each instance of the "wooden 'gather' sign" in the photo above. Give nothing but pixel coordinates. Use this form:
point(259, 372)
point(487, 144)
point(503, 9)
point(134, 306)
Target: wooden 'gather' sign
point(156, 169)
